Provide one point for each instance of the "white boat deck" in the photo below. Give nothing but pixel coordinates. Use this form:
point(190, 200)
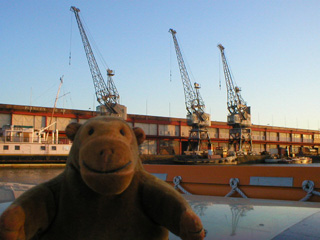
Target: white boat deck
point(238, 218)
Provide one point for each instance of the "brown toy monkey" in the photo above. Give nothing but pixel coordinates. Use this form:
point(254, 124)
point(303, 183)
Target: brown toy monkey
point(103, 193)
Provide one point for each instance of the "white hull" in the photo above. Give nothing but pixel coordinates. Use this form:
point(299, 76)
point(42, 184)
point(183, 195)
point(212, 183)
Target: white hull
point(26, 142)
point(33, 149)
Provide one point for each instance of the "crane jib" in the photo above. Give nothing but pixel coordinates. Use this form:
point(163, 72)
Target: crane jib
point(196, 116)
point(107, 94)
point(191, 95)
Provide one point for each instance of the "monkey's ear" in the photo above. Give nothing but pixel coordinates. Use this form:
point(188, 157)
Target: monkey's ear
point(72, 129)
point(140, 135)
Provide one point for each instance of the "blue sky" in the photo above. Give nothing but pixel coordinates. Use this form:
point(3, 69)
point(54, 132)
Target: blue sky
point(272, 48)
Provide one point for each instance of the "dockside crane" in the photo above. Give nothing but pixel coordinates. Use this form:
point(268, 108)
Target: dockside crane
point(107, 94)
point(196, 116)
point(239, 117)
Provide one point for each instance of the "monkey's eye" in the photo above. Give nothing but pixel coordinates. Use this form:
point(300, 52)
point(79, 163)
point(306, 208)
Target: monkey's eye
point(91, 131)
point(122, 132)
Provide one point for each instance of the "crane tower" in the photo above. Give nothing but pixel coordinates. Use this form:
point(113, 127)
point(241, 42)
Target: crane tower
point(239, 117)
point(196, 116)
point(107, 94)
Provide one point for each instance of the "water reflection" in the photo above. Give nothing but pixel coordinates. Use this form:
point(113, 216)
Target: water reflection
point(200, 207)
point(237, 211)
point(238, 218)
point(15, 181)
point(10, 191)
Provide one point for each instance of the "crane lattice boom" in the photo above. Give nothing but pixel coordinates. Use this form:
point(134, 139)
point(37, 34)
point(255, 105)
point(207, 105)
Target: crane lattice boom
point(106, 94)
point(235, 102)
point(240, 137)
point(193, 99)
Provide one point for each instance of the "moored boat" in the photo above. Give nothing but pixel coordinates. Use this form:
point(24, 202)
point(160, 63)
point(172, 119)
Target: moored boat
point(26, 143)
point(301, 160)
point(293, 160)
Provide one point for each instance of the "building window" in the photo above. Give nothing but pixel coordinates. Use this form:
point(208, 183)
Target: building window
point(16, 147)
point(43, 148)
point(5, 147)
point(54, 148)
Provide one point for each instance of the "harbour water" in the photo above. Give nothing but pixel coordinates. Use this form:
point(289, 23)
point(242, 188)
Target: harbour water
point(36, 175)
point(28, 175)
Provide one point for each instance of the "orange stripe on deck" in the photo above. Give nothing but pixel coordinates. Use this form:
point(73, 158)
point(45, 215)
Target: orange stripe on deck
point(214, 179)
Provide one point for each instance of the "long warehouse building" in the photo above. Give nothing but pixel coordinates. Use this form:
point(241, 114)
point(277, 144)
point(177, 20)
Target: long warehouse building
point(165, 135)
